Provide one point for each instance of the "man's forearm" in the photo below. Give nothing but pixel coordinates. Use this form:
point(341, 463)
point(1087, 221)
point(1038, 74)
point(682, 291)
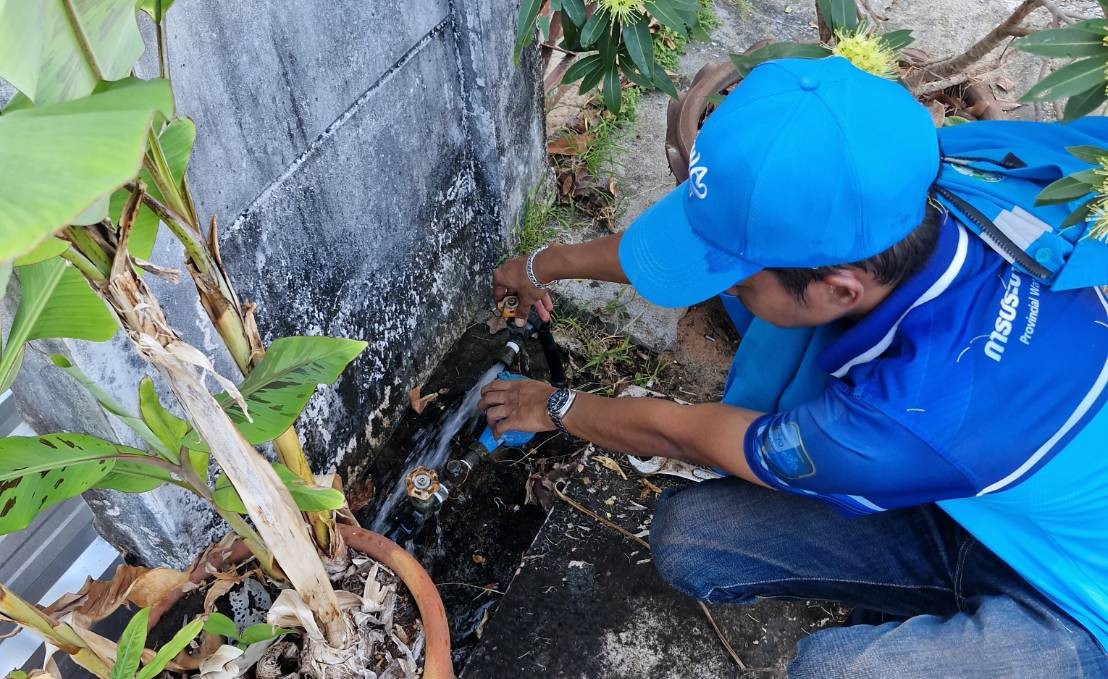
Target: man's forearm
point(596, 260)
point(709, 434)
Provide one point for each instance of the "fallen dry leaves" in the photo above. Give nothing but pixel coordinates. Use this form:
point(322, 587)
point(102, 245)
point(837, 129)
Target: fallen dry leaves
point(609, 463)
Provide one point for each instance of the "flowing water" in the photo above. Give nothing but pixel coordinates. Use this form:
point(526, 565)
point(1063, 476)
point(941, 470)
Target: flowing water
point(431, 446)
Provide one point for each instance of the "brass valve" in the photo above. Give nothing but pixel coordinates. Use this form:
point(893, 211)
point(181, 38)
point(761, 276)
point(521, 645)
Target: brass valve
point(507, 306)
point(423, 488)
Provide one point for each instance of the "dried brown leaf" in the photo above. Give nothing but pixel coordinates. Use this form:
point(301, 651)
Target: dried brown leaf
point(648, 488)
point(97, 599)
point(569, 144)
point(418, 401)
point(478, 559)
point(609, 463)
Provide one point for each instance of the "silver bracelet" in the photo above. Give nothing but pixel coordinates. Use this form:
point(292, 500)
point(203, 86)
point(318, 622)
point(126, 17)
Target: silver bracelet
point(530, 269)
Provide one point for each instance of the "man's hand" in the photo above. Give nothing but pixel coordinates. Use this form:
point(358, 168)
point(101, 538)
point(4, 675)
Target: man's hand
point(510, 278)
point(516, 405)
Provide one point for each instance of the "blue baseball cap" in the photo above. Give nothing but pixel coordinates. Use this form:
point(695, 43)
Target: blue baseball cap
point(808, 163)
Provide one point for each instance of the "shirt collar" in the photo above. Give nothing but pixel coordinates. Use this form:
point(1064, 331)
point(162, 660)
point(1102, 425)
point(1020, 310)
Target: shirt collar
point(871, 336)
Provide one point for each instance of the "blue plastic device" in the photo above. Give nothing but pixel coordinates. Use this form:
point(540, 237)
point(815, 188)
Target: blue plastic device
point(512, 439)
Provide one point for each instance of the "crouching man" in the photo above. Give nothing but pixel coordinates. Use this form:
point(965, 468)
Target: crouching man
point(914, 422)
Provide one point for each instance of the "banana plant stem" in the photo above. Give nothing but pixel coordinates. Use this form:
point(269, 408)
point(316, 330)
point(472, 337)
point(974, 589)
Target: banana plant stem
point(59, 634)
point(249, 536)
point(225, 316)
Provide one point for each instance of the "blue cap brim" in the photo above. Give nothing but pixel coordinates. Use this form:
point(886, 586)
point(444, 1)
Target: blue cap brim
point(670, 265)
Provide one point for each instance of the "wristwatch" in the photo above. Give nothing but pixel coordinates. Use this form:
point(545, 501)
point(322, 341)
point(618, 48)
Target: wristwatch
point(557, 405)
point(529, 269)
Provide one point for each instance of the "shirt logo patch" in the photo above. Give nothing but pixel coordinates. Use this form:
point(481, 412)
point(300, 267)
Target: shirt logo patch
point(783, 450)
point(697, 172)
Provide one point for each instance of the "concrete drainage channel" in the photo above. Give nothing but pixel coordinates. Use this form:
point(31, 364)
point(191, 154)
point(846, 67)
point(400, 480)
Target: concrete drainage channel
point(473, 543)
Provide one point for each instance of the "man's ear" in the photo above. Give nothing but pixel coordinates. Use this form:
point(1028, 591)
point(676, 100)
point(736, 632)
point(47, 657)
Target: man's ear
point(843, 288)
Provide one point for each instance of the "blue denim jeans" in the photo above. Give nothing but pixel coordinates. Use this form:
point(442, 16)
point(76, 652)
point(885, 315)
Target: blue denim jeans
point(966, 613)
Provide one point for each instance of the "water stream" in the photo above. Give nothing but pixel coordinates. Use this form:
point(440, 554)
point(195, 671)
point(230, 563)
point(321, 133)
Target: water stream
point(431, 446)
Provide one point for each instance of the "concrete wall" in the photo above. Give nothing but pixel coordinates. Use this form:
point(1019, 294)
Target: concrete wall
point(367, 160)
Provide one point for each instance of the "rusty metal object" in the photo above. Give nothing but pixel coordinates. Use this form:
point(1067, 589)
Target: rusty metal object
point(687, 113)
point(423, 488)
point(507, 306)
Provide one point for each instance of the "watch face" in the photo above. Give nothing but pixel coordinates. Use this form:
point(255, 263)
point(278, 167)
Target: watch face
point(557, 400)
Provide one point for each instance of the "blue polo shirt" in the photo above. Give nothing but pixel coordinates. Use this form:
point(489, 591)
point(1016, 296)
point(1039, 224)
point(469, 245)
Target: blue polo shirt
point(975, 387)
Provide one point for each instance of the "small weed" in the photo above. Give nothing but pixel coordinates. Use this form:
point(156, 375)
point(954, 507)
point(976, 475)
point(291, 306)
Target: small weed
point(602, 362)
point(543, 221)
point(670, 45)
point(744, 7)
point(708, 18)
point(668, 48)
point(601, 155)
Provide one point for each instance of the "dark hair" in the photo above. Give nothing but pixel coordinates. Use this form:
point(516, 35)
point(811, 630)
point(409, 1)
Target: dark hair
point(899, 262)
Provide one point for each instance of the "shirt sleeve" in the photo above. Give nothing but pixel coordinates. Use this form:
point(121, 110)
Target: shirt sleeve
point(848, 453)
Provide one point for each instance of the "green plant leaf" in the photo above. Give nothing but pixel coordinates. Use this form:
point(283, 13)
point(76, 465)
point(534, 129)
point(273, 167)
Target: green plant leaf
point(1062, 42)
point(110, 404)
point(634, 75)
point(525, 26)
point(1090, 154)
point(220, 624)
point(667, 15)
point(839, 15)
point(279, 387)
point(51, 247)
point(1069, 80)
point(596, 25)
point(150, 7)
point(899, 39)
point(1080, 214)
point(171, 649)
point(613, 89)
point(198, 460)
point(663, 82)
point(144, 230)
point(175, 147)
point(169, 428)
point(37, 471)
point(134, 477)
point(308, 498)
point(778, 50)
point(575, 10)
point(1084, 103)
point(261, 632)
point(72, 309)
point(640, 46)
point(1067, 188)
point(131, 644)
point(582, 68)
point(55, 301)
point(43, 57)
point(61, 159)
point(1098, 26)
point(592, 79)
